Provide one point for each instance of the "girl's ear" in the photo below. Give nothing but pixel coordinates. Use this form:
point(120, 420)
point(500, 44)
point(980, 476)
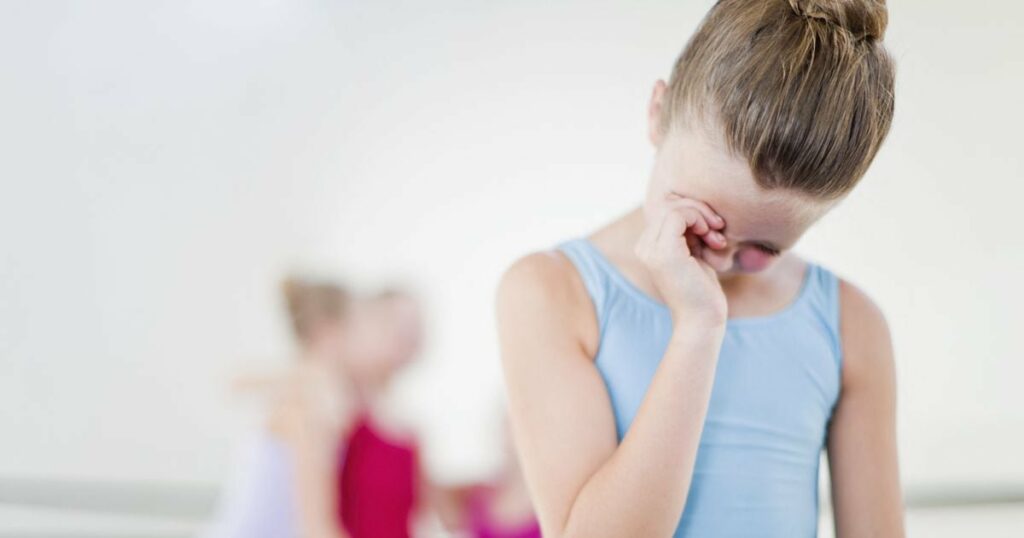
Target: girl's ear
point(655, 132)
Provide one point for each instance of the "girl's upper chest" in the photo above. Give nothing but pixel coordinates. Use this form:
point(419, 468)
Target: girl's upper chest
point(748, 295)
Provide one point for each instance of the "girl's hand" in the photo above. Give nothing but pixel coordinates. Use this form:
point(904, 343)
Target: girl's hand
point(670, 247)
point(307, 402)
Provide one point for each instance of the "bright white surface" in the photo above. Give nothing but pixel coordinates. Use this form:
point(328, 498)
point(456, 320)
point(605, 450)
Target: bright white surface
point(163, 163)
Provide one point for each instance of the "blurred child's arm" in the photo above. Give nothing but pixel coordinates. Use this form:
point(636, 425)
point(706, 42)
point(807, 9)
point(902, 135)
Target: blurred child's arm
point(311, 434)
point(866, 494)
point(448, 503)
point(445, 502)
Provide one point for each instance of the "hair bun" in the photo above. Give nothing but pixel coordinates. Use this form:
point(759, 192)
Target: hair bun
point(865, 19)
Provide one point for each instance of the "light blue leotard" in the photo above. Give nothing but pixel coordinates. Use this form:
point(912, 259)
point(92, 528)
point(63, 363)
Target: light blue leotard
point(776, 384)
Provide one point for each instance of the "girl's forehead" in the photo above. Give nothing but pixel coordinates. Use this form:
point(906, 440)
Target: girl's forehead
point(763, 209)
point(750, 211)
point(774, 217)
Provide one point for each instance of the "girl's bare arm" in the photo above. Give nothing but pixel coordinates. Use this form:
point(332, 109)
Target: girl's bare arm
point(862, 454)
point(582, 481)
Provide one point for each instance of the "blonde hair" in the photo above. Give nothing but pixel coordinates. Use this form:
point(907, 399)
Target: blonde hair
point(802, 89)
point(310, 303)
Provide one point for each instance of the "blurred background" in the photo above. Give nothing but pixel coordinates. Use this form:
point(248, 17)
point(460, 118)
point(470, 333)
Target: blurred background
point(163, 165)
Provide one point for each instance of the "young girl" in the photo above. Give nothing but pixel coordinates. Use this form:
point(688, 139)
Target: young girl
point(678, 371)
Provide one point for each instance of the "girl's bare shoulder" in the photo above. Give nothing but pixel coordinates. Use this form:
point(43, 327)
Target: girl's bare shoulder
point(543, 288)
point(865, 336)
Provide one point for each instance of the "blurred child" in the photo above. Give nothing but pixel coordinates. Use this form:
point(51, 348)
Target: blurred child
point(331, 462)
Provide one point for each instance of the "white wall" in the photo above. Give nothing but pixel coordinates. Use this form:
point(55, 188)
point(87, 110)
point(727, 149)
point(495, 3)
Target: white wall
point(163, 163)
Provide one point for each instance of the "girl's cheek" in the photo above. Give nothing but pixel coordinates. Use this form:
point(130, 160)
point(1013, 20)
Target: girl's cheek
point(752, 260)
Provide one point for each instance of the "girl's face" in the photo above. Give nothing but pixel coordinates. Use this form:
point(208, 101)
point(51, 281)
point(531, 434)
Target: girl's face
point(759, 224)
point(387, 334)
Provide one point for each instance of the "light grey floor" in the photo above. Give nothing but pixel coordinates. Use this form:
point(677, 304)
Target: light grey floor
point(990, 521)
point(32, 508)
point(47, 522)
point(997, 521)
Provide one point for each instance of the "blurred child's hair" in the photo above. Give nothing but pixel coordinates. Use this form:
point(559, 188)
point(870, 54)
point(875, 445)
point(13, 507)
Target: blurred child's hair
point(802, 89)
point(392, 293)
point(311, 303)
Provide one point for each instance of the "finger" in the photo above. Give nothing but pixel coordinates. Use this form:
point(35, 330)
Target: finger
point(714, 219)
point(679, 219)
point(674, 222)
point(674, 226)
point(714, 238)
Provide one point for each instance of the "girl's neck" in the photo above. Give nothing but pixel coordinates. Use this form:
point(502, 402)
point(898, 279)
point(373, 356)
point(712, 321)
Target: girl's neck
point(361, 393)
